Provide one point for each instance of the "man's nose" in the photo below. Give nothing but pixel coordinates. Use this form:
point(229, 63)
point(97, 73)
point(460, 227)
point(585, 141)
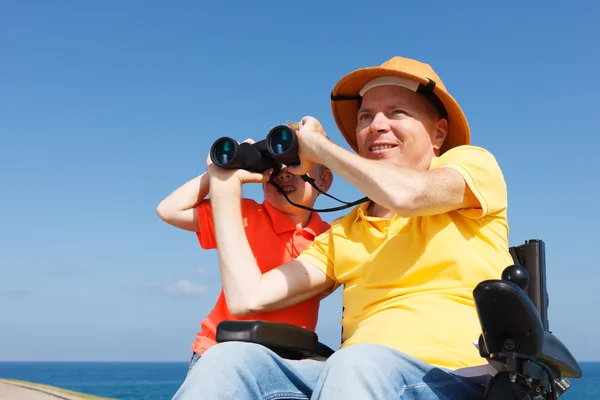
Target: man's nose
point(380, 123)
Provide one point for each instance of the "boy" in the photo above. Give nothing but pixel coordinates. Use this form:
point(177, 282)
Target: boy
point(277, 232)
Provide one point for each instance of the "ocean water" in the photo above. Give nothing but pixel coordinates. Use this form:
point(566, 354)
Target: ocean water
point(159, 381)
point(117, 380)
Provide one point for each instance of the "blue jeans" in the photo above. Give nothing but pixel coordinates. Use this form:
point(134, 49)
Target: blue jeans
point(193, 361)
point(244, 371)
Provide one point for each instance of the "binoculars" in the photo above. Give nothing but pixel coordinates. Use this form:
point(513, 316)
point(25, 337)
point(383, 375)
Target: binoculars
point(279, 147)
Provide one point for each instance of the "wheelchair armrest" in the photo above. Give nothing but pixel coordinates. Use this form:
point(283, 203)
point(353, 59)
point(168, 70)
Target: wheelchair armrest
point(509, 320)
point(289, 341)
point(534, 361)
point(511, 324)
point(556, 354)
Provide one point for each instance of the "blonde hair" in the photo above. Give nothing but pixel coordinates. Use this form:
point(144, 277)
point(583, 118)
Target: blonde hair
point(295, 126)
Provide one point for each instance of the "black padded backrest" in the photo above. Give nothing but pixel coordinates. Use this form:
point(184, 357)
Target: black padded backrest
point(532, 256)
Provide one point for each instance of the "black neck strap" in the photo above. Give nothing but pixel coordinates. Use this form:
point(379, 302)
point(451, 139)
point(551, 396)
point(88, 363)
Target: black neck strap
point(311, 181)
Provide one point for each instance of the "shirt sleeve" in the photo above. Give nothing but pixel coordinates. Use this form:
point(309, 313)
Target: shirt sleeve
point(206, 228)
point(483, 175)
point(320, 253)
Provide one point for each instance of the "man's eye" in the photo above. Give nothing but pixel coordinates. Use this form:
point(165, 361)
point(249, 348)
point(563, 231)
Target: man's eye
point(363, 117)
point(399, 112)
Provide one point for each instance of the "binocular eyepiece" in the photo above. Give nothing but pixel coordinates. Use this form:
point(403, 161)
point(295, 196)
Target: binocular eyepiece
point(279, 147)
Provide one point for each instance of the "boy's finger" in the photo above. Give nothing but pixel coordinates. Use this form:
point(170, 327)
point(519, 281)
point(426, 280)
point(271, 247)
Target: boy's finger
point(298, 169)
point(265, 176)
point(257, 176)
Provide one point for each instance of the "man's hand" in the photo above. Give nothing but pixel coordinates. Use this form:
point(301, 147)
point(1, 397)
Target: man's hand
point(234, 177)
point(310, 136)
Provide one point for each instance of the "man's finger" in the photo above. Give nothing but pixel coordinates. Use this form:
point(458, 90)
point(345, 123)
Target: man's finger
point(305, 120)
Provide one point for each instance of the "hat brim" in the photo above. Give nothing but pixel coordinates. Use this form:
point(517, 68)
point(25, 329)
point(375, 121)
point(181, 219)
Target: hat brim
point(345, 111)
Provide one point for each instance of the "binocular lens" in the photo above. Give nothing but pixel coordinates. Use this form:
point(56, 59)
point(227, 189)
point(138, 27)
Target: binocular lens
point(281, 140)
point(224, 151)
point(279, 147)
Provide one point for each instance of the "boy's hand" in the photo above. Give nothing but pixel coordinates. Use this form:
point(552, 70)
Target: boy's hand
point(310, 135)
point(235, 177)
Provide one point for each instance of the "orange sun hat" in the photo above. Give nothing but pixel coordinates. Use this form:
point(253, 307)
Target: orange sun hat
point(400, 71)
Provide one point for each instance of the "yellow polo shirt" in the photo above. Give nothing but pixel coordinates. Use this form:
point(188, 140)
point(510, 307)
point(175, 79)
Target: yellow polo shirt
point(408, 282)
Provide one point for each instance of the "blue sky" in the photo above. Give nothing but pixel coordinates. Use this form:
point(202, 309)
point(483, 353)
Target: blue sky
point(107, 107)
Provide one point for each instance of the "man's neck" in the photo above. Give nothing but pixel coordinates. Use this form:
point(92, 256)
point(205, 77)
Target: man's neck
point(375, 210)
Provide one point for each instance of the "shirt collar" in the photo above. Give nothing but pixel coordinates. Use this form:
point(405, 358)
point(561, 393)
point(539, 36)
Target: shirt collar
point(282, 223)
point(315, 224)
point(361, 211)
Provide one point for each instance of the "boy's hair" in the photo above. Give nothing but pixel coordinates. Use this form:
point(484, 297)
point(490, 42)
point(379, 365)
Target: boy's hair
point(293, 126)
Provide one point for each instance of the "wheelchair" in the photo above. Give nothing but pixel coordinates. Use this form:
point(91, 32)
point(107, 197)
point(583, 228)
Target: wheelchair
point(530, 362)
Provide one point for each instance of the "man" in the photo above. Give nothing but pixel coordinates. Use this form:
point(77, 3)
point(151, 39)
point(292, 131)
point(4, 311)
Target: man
point(408, 259)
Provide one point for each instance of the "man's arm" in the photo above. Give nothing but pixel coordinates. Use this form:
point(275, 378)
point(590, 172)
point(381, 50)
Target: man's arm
point(405, 191)
point(178, 209)
point(247, 290)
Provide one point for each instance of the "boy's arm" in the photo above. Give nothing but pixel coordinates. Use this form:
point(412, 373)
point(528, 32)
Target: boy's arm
point(178, 209)
point(247, 290)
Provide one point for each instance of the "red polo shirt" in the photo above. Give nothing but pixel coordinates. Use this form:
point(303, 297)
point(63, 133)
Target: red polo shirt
point(274, 240)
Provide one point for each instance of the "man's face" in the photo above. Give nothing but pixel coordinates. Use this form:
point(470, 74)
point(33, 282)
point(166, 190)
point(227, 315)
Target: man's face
point(399, 126)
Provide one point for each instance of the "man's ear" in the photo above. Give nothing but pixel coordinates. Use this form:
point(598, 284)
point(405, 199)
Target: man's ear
point(441, 131)
point(326, 180)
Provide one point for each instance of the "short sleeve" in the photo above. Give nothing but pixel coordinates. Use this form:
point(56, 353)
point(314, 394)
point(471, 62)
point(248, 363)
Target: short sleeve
point(483, 175)
point(321, 253)
point(206, 228)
